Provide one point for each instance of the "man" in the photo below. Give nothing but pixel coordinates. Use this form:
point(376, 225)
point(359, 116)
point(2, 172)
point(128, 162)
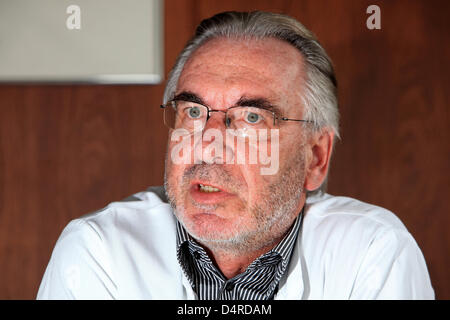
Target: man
point(236, 227)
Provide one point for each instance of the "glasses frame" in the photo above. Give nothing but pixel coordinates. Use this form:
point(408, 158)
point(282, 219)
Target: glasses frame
point(171, 102)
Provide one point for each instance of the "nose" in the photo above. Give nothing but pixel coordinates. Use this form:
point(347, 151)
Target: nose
point(216, 119)
point(213, 148)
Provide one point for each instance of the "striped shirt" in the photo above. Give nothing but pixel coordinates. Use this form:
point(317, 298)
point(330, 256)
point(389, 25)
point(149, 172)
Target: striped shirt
point(258, 282)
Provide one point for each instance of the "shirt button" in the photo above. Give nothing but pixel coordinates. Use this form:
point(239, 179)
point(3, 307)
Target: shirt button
point(229, 286)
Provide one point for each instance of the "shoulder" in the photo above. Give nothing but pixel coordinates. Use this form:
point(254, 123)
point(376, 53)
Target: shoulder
point(143, 213)
point(334, 213)
point(141, 225)
point(95, 250)
point(355, 249)
point(342, 223)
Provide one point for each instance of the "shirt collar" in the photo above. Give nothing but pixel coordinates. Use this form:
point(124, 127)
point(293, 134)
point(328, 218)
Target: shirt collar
point(284, 248)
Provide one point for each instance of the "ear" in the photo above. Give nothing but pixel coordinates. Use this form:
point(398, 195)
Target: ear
point(321, 145)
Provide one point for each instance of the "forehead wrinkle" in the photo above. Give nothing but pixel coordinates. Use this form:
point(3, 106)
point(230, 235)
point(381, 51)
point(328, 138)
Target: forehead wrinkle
point(230, 72)
point(225, 72)
point(230, 93)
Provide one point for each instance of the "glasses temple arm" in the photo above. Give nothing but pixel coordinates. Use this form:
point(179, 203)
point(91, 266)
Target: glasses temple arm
point(288, 119)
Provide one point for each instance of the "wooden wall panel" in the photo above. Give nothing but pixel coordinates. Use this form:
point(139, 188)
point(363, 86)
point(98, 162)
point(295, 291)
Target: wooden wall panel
point(68, 150)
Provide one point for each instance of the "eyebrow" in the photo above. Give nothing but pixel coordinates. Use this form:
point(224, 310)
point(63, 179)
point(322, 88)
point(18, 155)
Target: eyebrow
point(189, 96)
point(258, 102)
point(261, 103)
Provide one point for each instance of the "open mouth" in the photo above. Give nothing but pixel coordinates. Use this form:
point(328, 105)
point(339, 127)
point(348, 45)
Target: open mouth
point(203, 192)
point(207, 188)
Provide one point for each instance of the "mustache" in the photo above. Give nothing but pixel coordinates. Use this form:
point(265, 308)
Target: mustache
point(217, 173)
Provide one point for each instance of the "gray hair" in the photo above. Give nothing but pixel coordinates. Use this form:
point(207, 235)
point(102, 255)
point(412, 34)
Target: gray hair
point(320, 86)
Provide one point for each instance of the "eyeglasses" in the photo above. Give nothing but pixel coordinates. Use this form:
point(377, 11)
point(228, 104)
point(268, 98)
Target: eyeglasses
point(180, 114)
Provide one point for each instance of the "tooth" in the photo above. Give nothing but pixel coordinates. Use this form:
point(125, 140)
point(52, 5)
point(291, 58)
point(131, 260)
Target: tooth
point(204, 188)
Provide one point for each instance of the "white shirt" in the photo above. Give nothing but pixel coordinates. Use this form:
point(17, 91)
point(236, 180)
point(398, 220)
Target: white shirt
point(346, 249)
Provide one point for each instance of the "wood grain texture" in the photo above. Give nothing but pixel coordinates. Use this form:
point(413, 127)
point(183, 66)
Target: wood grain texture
point(69, 150)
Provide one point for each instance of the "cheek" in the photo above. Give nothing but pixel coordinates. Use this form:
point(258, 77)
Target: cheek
point(289, 159)
point(173, 170)
point(181, 153)
point(256, 183)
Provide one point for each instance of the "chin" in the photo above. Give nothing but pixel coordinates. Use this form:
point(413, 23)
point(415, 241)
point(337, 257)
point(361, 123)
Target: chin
point(207, 226)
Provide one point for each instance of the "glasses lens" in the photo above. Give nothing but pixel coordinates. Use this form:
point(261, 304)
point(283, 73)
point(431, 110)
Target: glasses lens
point(185, 115)
point(249, 118)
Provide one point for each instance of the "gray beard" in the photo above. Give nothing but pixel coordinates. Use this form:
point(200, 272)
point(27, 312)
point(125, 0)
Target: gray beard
point(273, 214)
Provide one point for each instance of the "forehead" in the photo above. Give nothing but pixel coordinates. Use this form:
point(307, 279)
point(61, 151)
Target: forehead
point(222, 71)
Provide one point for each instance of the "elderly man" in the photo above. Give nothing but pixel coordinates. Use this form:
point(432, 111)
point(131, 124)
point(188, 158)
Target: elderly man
point(252, 111)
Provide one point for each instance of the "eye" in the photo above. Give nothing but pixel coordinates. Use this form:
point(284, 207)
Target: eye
point(194, 112)
point(253, 117)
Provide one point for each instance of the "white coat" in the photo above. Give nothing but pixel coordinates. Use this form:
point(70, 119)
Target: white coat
point(346, 249)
